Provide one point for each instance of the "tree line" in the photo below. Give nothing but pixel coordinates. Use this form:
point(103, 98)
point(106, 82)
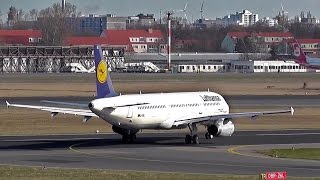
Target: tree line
point(52, 22)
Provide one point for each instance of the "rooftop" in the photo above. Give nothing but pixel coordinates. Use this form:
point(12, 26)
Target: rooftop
point(24, 33)
point(261, 34)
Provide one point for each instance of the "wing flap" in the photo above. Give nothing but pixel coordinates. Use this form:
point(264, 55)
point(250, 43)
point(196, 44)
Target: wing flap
point(230, 116)
point(66, 103)
point(86, 105)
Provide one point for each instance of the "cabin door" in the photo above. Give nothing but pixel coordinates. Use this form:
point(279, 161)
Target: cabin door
point(130, 112)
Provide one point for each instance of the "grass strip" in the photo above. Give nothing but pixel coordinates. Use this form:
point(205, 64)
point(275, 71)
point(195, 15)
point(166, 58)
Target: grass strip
point(33, 173)
point(301, 153)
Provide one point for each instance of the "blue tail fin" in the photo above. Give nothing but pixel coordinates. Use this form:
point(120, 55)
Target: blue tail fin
point(104, 84)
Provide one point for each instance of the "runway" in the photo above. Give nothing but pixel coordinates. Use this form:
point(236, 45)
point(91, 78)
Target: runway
point(165, 152)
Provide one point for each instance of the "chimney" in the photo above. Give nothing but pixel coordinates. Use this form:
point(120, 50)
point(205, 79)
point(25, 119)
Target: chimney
point(63, 4)
point(150, 30)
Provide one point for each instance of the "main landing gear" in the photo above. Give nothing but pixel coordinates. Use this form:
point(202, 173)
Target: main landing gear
point(208, 136)
point(128, 138)
point(192, 138)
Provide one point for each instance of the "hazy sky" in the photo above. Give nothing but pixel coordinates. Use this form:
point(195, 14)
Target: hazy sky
point(212, 9)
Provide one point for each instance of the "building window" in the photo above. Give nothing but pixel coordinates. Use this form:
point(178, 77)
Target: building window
point(204, 67)
point(188, 67)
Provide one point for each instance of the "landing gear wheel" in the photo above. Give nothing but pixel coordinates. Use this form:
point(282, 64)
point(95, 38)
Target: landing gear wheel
point(132, 138)
point(195, 139)
point(125, 139)
point(207, 136)
point(188, 139)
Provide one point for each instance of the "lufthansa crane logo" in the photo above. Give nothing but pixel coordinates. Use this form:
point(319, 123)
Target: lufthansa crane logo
point(102, 71)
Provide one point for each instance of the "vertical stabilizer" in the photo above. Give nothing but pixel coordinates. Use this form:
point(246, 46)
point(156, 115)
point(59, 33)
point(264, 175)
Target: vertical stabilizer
point(103, 80)
point(299, 54)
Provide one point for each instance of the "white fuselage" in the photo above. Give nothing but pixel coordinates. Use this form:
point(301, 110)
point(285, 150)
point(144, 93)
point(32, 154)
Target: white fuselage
point(158, 111)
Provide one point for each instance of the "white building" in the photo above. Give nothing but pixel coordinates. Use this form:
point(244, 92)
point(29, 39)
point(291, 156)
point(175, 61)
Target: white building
point(266, 66)
point(244, 18)
point(269, 21)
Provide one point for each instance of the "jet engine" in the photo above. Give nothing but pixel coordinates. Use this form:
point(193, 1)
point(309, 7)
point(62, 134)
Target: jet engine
point(224, 128)
point(119, 130)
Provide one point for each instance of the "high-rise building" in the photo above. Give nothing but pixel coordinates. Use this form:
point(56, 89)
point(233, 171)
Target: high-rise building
point(92, 24)
point(140, 20)
point(244, 18)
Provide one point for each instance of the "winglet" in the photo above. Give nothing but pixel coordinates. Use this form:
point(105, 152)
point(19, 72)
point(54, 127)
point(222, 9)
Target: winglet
point(292, 110)
point(8, 104)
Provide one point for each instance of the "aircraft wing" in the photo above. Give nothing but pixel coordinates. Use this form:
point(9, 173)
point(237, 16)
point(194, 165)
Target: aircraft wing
point(231, 116)
point(86, 105)
point(66, 103)
point(55, 110)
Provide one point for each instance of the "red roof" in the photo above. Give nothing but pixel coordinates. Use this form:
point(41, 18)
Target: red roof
point(85, 40)
point(20, 37)
point(24, 33)
point(308, 41)
point(71, 41)
point(261, 34)
point(238, 34)
point(275, 34)
point(122, 37)
point(133, 33)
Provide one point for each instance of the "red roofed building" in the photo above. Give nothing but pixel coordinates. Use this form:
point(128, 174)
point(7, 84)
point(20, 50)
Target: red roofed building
point(20, 37)
point(310, 46)
point(141, 41)
point(264, 39)
point(85, 41)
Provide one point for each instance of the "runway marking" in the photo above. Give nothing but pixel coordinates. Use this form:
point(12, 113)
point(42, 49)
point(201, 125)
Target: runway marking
point(48, 139)
point(36, 135)
point(289, 134)
point(233, 150)
point(72, 148)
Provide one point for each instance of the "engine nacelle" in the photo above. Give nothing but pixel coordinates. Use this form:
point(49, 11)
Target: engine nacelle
point(119, 130)
point(225, 128)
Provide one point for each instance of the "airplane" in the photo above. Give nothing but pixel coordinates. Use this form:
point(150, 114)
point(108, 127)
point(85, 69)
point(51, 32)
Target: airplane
point(304, 60)
point(128, 114)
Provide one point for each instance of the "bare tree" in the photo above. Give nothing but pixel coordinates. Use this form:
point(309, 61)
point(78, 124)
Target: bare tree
point(1, 19)
point(53, 23)
point(33, 14)
point(12, 15)
point(20, 15)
